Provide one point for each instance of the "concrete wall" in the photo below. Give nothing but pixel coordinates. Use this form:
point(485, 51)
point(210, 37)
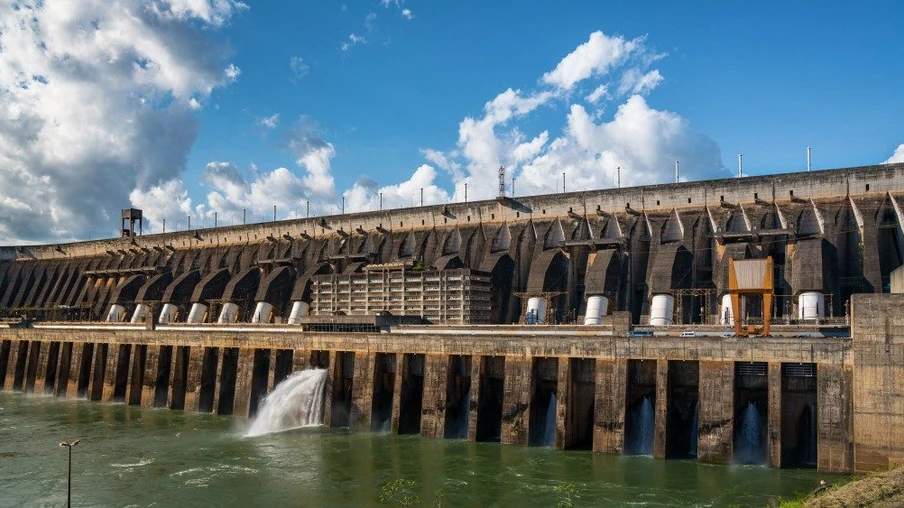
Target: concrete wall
point(228, 372)
point(829, 231)
point(878, 381)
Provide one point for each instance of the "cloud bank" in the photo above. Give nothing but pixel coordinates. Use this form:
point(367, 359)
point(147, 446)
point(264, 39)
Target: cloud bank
point(95, 114)
point(603, 73)
point(97, 100)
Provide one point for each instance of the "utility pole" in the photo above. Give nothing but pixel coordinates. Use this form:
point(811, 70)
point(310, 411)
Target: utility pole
point(214, 219)
point(244, 216)
point(513, 186)
point(618, 176)
point(274, 213)
point(343, 205)
point(69, 445)
point(563, 182)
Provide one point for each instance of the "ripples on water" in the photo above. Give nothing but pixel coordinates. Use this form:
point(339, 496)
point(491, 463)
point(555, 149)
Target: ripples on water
point(131, 456)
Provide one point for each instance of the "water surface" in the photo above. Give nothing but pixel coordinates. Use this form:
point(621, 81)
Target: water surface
point(132, 456)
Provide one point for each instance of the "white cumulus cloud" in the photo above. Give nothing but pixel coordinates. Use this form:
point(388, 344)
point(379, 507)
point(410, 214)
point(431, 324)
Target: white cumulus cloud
point(594, 57)
point(641, 140)
point(233, 192)
point(898, 156)
point(365, 194)
point(97, 99)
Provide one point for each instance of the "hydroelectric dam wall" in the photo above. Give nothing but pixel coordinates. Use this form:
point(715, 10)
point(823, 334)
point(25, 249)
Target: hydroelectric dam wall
point(482, 383)
point(212, 319)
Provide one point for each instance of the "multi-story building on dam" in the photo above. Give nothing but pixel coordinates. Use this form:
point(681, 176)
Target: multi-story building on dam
point(603, 303)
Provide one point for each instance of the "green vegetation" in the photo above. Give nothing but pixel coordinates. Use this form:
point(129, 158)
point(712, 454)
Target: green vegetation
point(403, 492)
point(400, 492)
point(568, 491)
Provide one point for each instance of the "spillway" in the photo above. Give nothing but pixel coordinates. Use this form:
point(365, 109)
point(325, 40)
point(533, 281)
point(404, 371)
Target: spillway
point(296, 402)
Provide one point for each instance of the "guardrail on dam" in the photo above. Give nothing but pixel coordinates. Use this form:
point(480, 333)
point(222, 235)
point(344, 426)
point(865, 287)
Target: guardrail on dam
point(222, 315)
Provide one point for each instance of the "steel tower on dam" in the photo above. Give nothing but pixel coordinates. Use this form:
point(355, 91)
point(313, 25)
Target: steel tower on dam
point(616, 320)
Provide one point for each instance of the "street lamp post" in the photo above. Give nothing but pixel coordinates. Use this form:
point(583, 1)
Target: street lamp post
point(69, 445)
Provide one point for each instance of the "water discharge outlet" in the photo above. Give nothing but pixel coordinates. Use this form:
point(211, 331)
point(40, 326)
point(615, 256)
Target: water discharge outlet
point(296, 402)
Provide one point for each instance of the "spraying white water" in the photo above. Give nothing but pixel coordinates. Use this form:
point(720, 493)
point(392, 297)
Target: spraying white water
point(296, 402)
point(748, 443)
point(644, 421)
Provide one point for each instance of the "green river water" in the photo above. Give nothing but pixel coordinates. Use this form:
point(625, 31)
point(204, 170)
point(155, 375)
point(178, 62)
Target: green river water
point(132, 456)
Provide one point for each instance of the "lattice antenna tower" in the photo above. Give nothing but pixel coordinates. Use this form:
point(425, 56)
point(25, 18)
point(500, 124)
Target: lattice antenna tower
point(501, 181)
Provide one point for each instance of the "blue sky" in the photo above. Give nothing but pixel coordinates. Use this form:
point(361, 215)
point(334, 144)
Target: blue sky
point(196, 107)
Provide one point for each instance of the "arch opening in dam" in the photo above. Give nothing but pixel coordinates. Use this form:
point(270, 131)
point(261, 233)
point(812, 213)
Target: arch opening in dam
point(799, 435)
point(683, 406)
point(383, 390)
point(581, 404)
point(411, 398)
point(226, 396)
point(640, 407)
point(124, 355)
point(751, 412)
point(544, 398)
point(343, 388)
point(259, 379)
point(491, 391)
point(207, 389)
point(458, 398)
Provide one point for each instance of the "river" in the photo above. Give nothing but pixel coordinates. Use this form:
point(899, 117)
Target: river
point(133, 456)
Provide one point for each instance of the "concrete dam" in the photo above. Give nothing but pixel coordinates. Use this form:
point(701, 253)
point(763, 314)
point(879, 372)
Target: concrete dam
point(748, 320)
